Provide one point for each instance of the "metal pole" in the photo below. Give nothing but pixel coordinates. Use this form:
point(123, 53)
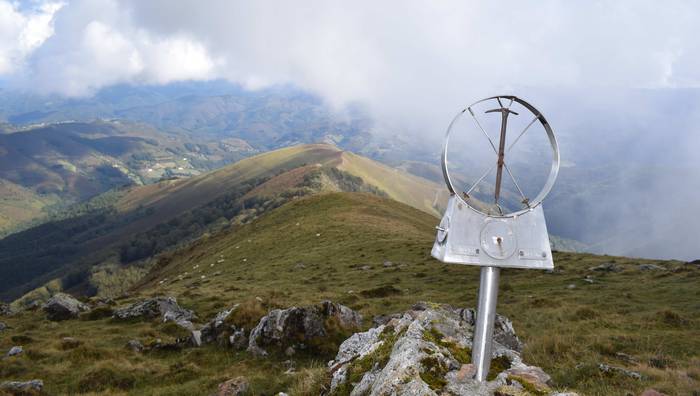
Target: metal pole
point(485, 319)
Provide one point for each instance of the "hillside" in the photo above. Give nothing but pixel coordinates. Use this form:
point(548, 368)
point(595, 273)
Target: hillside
point(56, 165)
point(372, 254)
point(127, 226)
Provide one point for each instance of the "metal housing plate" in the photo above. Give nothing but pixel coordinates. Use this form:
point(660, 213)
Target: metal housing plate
point(472, 238)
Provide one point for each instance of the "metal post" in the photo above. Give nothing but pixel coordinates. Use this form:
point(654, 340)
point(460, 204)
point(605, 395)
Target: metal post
point(485, 319)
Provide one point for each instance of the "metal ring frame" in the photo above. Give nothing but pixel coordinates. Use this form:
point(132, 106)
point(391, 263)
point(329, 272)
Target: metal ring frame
point(553, 172)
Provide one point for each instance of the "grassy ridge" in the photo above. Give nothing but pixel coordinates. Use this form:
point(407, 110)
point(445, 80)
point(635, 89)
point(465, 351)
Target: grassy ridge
point(318, 248)
point(334, 246)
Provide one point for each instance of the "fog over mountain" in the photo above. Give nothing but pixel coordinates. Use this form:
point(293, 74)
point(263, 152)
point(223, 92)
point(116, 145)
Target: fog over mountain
point(618, 81)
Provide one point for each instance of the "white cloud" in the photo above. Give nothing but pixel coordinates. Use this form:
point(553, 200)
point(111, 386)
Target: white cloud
point(22, 32)
point(380, 53)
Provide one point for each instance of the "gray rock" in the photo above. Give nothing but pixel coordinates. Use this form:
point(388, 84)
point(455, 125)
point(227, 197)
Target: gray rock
point(196, 338)
point(626, 358)
point(650, 267)
point(238, 340)
point(296, 326)
point(163, 307)
point(5, 310)
point(428, 341)
point(388, 264)
point(62, 306)
point(379, 320)
point(3, 326)
point(503, 331)
point(233, 387)
point(15, 350)
point(606, 267)
point(216, 328)
point(22, 387)
point(135, 345)
point(607, 369)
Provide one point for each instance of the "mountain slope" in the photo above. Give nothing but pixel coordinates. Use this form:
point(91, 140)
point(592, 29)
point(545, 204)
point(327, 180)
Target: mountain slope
point(372, 254)
point(69, 162)
point(133, 224)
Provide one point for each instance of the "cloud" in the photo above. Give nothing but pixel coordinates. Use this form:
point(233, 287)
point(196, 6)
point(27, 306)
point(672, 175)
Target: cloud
point(381, 54)
point(22, 31)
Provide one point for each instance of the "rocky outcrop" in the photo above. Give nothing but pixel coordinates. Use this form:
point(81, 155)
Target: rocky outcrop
point(427, 351)
point(217, 329)
point(22, 388)
point(63, 306)
point(295, 327)
point(165, 308)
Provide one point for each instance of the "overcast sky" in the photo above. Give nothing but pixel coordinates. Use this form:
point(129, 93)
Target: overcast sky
point(391, 55)
point(616, 79)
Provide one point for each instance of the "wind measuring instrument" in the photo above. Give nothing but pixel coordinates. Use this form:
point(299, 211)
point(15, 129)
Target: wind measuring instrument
point(496, 223)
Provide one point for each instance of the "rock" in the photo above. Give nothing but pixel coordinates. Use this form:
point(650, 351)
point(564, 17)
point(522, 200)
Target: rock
point(5, 310)
point(3, 326)
point(297, 326)
point(164, 307)
point(216, 328)
point(607, 369)
point(70, 343)
point(427, 352)
point(135, 345)
point(63, 306)
point(15, 350)
point(24, 387)
point(233, 387)
point(650, 267)
point(652, 392)
point(388, 264)
point(196, 338)
point(238, 340)
point(606, 267)
point(626, 358)
point(503, 331)
point(290, 351)
point(571, 286)
point(366, 268)
point(379, 320)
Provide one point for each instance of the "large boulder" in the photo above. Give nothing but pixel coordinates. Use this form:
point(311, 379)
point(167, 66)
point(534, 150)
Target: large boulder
point(165, 308)
point(63, 306)
point(427, 351)
point(296, 327)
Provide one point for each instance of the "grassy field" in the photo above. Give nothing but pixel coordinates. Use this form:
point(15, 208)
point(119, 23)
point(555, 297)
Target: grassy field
point(334, 246)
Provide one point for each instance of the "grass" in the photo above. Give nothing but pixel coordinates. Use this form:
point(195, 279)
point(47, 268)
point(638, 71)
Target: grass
point(333, 247)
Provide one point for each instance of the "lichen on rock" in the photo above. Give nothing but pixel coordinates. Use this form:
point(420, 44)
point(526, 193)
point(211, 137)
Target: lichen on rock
point(427, 351)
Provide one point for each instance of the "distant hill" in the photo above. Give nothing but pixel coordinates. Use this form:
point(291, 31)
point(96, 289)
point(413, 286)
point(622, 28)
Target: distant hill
point(55, 165)
point(133, 224)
